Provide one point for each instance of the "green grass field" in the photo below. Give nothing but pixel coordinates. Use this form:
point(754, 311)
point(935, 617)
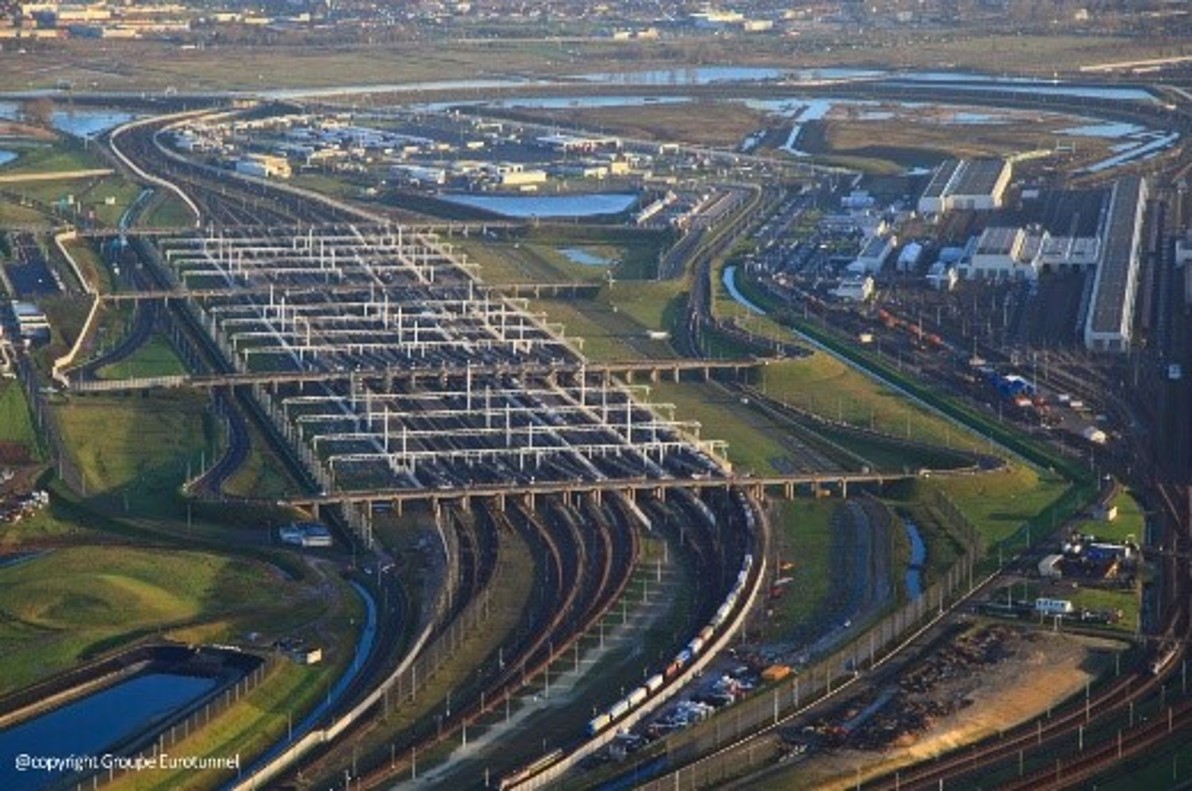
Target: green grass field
point(90, 264)
point(262, 717)
point(138, 449)
point(155, 358)
point(262, 474)
point(826, 386)
point(755, 443)
point(998, 503)
point(61, 157)
point(537, 257)
point(119, 191)
point(16, 421)
point(1130, 522)
point(70, 603)
point(167, 212)
point(803, 539)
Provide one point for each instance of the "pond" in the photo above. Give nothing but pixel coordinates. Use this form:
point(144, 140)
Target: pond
point(527, 206)
point(578, 255)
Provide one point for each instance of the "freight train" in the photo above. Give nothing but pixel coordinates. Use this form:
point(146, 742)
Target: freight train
point(682, 660)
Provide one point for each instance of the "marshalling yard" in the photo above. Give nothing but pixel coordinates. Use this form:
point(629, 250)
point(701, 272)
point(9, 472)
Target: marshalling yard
point(560, 576)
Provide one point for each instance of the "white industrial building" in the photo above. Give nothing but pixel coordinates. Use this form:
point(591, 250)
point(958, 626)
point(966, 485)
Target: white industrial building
point(515, 174)
point(1068, 253)
point(419, 174)
point(963, 184)
point(31, 321)
point(855, 289)
point(264, 166)
point(999, 253)
point(1110, 317)
point(873, 255)
point(1011, 253)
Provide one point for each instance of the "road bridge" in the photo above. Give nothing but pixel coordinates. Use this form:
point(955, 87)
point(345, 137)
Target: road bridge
point(655, 370)
point(573, 290)
point(816, 484)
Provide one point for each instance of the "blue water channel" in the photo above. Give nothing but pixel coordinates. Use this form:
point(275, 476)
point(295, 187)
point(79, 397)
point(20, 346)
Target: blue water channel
point(7, 156)
point(364, 647)
point(525, 207)
point(94, 724)
point(730, 282)
point(914, 568)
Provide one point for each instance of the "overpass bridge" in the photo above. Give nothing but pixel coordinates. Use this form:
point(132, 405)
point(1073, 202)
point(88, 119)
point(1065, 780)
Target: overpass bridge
point(573, 290)
point(655, 370)
point(817, 484)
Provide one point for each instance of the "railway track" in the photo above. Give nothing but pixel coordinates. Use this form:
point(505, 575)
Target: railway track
point(583, 561)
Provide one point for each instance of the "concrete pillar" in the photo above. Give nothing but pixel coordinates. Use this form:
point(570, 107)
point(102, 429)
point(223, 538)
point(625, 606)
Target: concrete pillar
point(843, 488)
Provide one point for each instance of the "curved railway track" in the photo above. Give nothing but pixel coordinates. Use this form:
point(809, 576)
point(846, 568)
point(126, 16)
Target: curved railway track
point(584, 553)
point(583, 565)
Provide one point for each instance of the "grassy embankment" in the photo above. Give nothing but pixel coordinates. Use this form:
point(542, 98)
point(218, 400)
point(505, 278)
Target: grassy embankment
point(16, 421)
point(73, 603)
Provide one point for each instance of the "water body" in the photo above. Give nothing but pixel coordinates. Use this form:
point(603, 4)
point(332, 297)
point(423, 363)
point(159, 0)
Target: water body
point(914, 568)
point(87, 123)
point(7, 156)
point(706, 75)
point(563, 102)
point(696, 75)
point(80, 122)
point(96, 723)
point(729, 277)
point(1141, 152)
point(1109, 129)
point(578, 255)
point(1048, 88)
point(525, 207)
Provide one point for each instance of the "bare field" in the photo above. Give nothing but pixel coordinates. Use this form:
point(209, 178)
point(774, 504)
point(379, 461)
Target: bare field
point(1043, 671)
point(120, 65)
point(931, 132)
point(711, 123)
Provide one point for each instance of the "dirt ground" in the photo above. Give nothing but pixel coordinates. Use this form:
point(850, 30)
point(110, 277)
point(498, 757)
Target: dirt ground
point(1041, 673)
point(15, 129)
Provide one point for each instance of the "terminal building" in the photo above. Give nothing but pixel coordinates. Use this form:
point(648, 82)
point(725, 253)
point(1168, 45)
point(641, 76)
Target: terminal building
point(966, 185)
point(1109, 320)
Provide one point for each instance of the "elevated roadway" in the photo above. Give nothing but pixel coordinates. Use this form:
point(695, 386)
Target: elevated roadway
point(655, 369)
point(837, 481)
point(535, 290)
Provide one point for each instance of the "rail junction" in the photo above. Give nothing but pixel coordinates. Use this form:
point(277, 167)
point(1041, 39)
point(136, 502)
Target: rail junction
point(389, 374)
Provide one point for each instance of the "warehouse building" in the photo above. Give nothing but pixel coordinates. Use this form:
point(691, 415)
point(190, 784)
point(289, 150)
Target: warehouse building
point(1110, 317)
point(966, 185)
point(264, 166)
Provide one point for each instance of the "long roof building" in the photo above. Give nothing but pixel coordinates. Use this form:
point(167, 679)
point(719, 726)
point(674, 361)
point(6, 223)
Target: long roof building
point(1109, 323)
point(966, 184)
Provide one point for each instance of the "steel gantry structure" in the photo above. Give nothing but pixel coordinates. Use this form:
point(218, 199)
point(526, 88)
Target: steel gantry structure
point(308, 317)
